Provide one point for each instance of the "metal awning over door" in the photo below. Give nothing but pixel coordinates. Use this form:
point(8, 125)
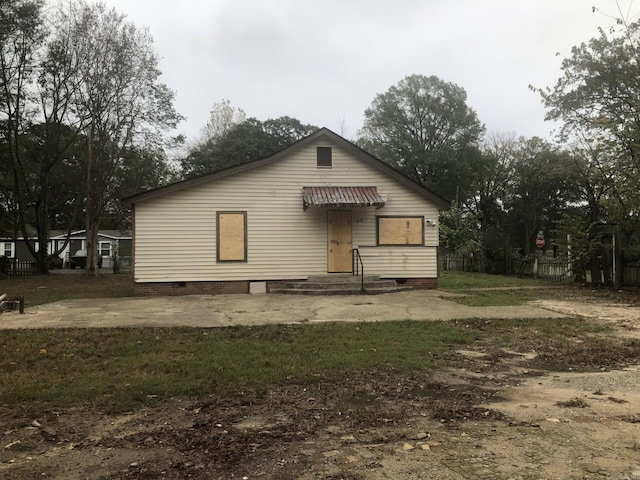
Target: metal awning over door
point(337, 197)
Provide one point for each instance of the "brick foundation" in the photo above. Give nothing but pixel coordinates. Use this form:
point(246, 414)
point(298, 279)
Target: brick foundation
point(422, 283)
point(273, 284)
point(167, 289)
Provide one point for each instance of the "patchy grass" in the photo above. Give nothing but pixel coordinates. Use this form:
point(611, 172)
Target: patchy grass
point(510, 296)
point(454, 280)
point(115, 370)
point(527, 334)
point(481, 289)
point(598, 353)
point(40, 289)
point(120, 369)
point(575, 402)
point(564, 344)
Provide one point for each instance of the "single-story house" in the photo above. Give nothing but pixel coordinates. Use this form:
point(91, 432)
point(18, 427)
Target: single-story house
point(108, 242)
point(300, 212)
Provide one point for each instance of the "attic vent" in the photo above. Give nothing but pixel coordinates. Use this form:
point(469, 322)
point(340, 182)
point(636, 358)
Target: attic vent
point(324, 157)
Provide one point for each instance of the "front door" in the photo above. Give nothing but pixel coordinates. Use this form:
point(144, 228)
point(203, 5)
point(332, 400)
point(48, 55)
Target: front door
point(339, 241)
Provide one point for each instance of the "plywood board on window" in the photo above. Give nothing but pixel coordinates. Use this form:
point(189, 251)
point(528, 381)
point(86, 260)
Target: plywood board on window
point(400, 231)
point(232, 238)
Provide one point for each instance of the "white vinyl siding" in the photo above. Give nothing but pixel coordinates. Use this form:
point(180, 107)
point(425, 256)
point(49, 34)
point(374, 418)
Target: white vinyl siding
point(175, 234)
point(400, 262)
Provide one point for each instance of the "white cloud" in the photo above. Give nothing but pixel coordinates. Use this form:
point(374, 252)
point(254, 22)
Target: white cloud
point(324, 61)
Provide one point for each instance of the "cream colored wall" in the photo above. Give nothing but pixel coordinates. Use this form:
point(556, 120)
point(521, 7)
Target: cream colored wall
point(400, 262)
point(175, 234)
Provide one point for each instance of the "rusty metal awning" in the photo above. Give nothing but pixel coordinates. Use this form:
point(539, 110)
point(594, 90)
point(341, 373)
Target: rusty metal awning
point(341, 197)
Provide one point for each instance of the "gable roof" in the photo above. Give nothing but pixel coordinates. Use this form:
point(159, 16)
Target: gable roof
point(322, 134)
point(80, 234)
point(75, 235)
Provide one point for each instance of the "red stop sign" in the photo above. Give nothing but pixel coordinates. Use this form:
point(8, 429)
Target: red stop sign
point(539, 242)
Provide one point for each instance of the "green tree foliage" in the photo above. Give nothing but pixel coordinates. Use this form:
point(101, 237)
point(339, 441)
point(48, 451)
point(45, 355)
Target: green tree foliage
point(597, 95)
point(543, 185)
point(120, 97)
point(143, 167)
point(8, 208)
point(598, 100)
point(79, 95)
point(491, 181)
point(575, 235)
point(52, 150)
point(519, 186)
point(492, 176)
point(244, 142)
point(459, 229)
point(423, 127)
point(21, 35)
point(222, 118)
point(39, 131)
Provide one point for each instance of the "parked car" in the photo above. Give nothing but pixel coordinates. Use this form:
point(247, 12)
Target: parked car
point(79, 259)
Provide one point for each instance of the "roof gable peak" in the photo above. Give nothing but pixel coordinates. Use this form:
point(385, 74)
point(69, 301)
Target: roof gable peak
point(320, 134)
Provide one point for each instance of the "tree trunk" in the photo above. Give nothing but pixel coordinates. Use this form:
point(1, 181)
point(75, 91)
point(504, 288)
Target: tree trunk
point(42, 225)
point(93, 225)
point(606, 262)
point(594, 266)
point(527, 239)
point(92, 220)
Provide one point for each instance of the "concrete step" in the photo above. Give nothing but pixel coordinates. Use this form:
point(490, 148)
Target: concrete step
point(341, 278)
point(340, 284)
point(340, 291)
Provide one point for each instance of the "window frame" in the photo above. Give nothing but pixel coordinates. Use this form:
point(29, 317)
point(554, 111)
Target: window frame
point(100, 249)
point(12, 249)
point(324, 157)
point(408, 217)
point(219, 239)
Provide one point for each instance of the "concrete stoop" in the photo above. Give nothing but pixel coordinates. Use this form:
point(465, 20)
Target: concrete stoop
point(341, 284)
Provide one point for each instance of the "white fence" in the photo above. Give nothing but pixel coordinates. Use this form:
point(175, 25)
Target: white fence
point(558, 268)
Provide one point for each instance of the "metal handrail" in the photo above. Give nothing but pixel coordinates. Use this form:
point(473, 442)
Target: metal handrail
point(358, 267)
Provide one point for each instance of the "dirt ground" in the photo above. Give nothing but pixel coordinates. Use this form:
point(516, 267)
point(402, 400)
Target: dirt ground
point(501, 415)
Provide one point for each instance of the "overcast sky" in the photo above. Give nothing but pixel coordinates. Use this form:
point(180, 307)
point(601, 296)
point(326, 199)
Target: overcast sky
point(323, 61)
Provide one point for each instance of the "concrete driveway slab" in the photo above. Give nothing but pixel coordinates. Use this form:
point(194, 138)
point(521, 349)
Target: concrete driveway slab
point(228, 310)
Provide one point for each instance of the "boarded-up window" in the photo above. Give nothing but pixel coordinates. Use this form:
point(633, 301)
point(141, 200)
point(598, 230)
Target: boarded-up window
point(232, 236)
point(324, 157)
point(400, 230)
